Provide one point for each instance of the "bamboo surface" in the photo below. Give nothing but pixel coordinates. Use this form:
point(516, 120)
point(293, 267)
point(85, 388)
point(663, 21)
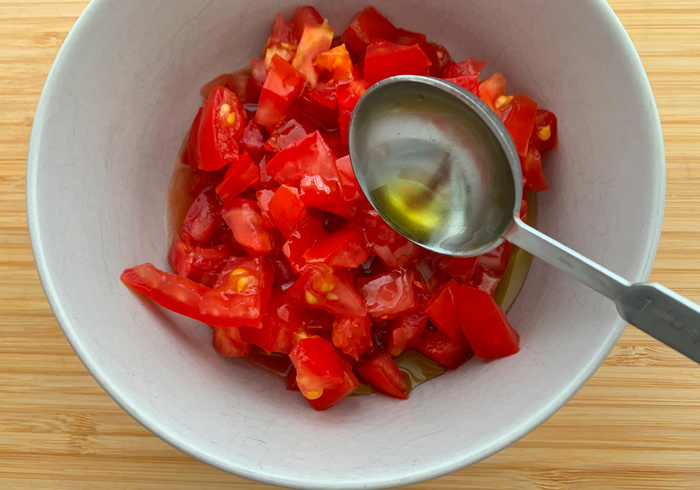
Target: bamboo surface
point(636, 424)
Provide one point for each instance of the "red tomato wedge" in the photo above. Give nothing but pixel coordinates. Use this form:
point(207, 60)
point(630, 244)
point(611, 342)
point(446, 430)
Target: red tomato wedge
point(309, 156)
point(323, 288)
point(348, 94)
point(346, 247)
point(244, 218)
point(389, 295)
point(282, 86)
point(467, 68)
point(519, 114)
point(240, 175)
point(459, 268)
point(496, 261)
point(440, 348)
point(202, 220)
point(491, 89)
point(331, 396)
point(405, 331)
point(348, 182)
point(220, 128)
point(252, 140)
point(385, 59)
point(289, 131)
point(286, 209)
point(533, 177)
point(383, 375)
point(442, 310)
point(315, 40)
point(302, 238)
point(545, 136)
point(352, 334)
point(485, 324)
point(317, 365)
point(367, 26)
point(279, 326)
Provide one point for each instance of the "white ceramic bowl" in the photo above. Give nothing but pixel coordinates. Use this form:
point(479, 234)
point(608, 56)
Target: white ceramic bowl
point(116, 105)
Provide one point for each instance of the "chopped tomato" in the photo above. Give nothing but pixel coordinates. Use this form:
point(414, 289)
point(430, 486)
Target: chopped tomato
point(397, 253)
point(202, 219)
point(518, 114)
point(389, 295)
point(193, 141)
point(284, 274)
point(220, 128)
point(320, 105)
point(440, 348)
point(289, 131)
point(309, 156)
point(533, 177)
point(240, 175)
point(279, 326)
point(287, 209)
point(264, 197)
point(408, 38)
point(485, 324)
point(491, 89)
point(385, 59)
point(346, 247)
point(315, 40)
point(331, 396)
point(367, 26)
point(240, 83)
point(496, 261)
point(459, 268)
point(383, 375)
point(181, 257)
point(317, 365)
point(470, 82)
point(545, 136)
point(442, 310)
point(348, 95)
point(337, 61)
point(485, 281)
point(465, 68)
point(229, 342)
point(282, 86)
point(432, 276)
point(244, 218)
point(321, 287)
point(241, 294)
point(352, 334)
point(252, 140)
point(405, 331)
point(348, 182)
point(302, 238)
point(303, 16)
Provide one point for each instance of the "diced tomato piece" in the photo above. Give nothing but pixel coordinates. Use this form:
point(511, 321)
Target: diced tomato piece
point(264, 197)
point(332, 396)
point(320, 105)
point(383, 375)
point(280, 325)
point(431, 274)
point(496, 261)
point(241, 294)
point(220, 128)
point(459, 268)
point(348, 95)
point(389, 295)
point(533, 177)
point(378, 231)
point(289, 131)
point(437, 54)
point(352, 334)
point(399, 252)
point(518, 113)
point(284, 274)
point(180, 257)
point(240, 83)
point(320, 192)
point(485, 281)
point(491, 89)
point(321, 287)
point(287, 209)
point(348, 181)
point(545, 136)
point(210, 258)
point(259, 72)
point(405, 331)
point(317, 322)
point(469, 67)
point(442, 310)
point(171, 291)
point(440, 348)
point(229, 343)
point(244, 218)
point(470, 82)
point(307, 156)
point(240, 175)
point(318, 367)
point(444, 58)
point(338, 62)
point(367, 26)
point(201, 181)
point(187, 260)
point(315, 40)
point(205, 277)
point(292, 380)
point(202, 220)
point(282, 86)
point(252, 140)
point(485, 324)
point(385, 59)
point(193, 141)
point(302, 238)
point(303, 16)
point(346, 247)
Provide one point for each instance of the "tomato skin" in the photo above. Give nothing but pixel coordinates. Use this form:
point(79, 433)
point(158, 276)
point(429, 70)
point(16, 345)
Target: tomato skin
point(459, 268)
point(496, 261)
point(348, 95)
point(321, 106)
point(405, 331)
point(309, 156)
point(442, 310)
point(440, 348)
point(319, 192)
point(332, 396)
point(470, 82)
point(491, 89)
point(244, 218)
point(348, 182)
point(302, 238)
point(287, 209)
point(321, 287)
point(240, 175)
point(384, 376)
point(193, 141)
point(289, 131)
point(408, 38)
point(181, 257)
point(221, 126)
point(385, 59)
point(389, 295)
point(545, 135)
point(346, 247)
point(519, 115)
point(279, 326)
point(466, 68)
point(352, 334)
point(485, 281)
point(202, 219)
point(176, 293)
point(314, 41)
point(241, 295)
point(485, 324)
point(533, 177)
point(229, 343)
point(367, 26)
point(317, 365)
point(282, 86)
point(252, 140)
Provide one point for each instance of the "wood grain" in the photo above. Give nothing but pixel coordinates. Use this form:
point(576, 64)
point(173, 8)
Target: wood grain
point(636, 424)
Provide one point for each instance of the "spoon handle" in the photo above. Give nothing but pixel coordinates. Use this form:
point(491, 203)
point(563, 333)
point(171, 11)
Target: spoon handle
point(658, 311)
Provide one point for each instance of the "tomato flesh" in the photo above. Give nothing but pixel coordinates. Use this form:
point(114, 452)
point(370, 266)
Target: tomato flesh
point(384, 376)
point(287, 209)
point(385, 59)
point(244, 218)
point(317, 365)
point(221, 126)
point(352, 334)
point(442, 310)
point(282, 86)
point(389, 295)
point(322, 287)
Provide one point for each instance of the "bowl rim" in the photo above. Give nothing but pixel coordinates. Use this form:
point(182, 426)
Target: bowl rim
point(457, 462)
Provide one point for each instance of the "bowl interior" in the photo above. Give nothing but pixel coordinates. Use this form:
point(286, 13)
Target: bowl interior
point(116, 106)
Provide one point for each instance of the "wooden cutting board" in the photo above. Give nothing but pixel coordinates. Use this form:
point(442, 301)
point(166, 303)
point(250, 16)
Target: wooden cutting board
point(636, 424)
